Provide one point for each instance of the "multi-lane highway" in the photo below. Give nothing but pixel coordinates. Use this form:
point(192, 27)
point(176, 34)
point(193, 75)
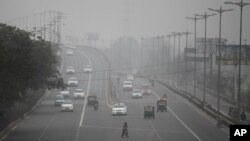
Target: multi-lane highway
point(181, 122)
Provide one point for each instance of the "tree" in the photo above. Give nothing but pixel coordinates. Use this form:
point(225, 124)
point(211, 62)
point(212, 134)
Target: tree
point(25, 64)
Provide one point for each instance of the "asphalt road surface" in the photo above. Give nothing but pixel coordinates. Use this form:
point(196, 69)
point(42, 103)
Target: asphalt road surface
point(181, 122)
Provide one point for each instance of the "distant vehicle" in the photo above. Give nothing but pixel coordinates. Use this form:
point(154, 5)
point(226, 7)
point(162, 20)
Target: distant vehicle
point(70, 70)
point(88, 69)
point(136, 93)
point(92, 99)
point(119, 109)
point(64, 93)
point(146, 89)
point(127, 85)
point(79, 93)
point(149, 111)
point(67, 44)
point(59, 99)
point(161, 104)
point(69, 52)
point(67, 105)
point(72, 81)
point(130, 77)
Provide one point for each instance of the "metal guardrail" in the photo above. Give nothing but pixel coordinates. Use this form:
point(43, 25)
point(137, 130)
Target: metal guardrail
point(224, 119)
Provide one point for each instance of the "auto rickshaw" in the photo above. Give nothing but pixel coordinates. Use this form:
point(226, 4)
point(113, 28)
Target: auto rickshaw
point(149, 111)
point(162, 105)
point(92, 100)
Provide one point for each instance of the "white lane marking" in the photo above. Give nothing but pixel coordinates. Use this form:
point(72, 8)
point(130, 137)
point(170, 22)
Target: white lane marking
point(155, 131)
point(46, 128)
point(133, 129)
point(178, 118)
point(181, 121)
point(107, 99)
point(85, 100)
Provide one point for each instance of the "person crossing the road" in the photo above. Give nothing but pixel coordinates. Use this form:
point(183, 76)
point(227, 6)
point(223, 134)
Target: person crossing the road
point(125, 129)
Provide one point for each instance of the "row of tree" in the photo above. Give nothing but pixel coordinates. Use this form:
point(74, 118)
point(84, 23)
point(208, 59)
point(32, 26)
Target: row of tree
point(25, 64)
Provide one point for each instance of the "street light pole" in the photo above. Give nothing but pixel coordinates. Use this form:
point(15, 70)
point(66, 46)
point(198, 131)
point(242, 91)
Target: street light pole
point(241, 4)
point(186, 70)
point(173, 72)
point(195, 18)
point(169, 71)
point(205, 16)
point(220, 11)
point(178, 59)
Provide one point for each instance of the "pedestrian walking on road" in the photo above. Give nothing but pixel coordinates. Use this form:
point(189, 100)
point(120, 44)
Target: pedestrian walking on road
point(125, 129)
point(243, 116)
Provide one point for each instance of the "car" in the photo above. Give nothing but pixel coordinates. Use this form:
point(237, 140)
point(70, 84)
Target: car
point(67, 105)
point(70, 70)
point(79, 93)
point(67, 44)
point(64, 93)
point(72, 81)
point(88, 69)
point(69, 52)
point(130, 77)
point(127, 85)
point(146, 89)
point(59, 99)
point(119, 109)
point(136, 93)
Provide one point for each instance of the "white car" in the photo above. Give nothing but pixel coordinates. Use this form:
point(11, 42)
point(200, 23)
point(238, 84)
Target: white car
point(119, 109)
point(79, 93)
point(127, 86)
point(136, 93)
point(69, 52)
point(70, 70)
point(67, 105)
point(130, 77)
point(64, 93)
point(72, 81)
point(88, 69)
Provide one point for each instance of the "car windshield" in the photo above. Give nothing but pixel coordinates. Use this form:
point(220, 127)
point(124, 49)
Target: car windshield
point(127, 82)
point(59, 97)
point(72, 78)
point(136, 91)
point(119, 105)
point(67, 102)
point(79, 90)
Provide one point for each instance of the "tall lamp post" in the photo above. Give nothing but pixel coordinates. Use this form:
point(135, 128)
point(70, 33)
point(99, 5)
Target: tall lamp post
point(178, 59)
point(220, 11)
point(241, 4)
point(195, 19)
point(173, 72)
point(205, 16)
point(186, 33)
point(169, 72)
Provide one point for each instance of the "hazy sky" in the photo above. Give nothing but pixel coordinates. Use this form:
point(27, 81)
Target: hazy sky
point(138, 18)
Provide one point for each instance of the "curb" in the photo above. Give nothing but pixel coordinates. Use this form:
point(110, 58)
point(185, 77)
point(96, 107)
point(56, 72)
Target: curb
point(12, 126)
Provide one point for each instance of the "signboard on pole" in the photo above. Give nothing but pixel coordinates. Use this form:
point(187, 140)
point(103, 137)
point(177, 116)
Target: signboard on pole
point(230, 54)
point(200, 56)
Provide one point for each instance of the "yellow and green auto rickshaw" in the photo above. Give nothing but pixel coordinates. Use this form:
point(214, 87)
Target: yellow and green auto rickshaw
point(162, 104)
point(92, 100)
point(149, 111)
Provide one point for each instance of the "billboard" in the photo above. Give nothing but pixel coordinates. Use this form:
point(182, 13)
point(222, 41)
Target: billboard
point(200, 56)
point(230, 55)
